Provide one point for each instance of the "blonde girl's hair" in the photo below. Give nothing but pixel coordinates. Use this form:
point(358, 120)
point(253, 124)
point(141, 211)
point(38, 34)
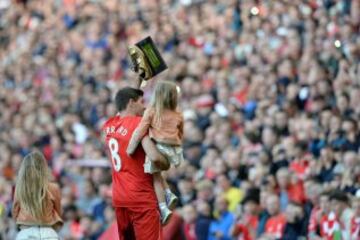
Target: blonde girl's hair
point(32, 184)
point(165, 97)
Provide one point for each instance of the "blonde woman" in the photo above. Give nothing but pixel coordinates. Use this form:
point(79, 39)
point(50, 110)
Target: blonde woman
point(165, 126)
point(36, 208)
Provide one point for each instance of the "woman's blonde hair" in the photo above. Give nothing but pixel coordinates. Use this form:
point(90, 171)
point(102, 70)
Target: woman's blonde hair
point(165, 97)
point(32, 184)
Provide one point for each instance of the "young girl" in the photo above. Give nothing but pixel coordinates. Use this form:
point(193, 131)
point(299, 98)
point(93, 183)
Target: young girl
point(165, 126)
point(36, 208)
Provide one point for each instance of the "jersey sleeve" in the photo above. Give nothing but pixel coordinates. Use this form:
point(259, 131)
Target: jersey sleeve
point(106, 127)
point(140, 131)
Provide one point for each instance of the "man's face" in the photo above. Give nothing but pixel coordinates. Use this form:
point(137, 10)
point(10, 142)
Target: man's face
point(281, 119)
point(250, 208)
point(272, 205)
point(283, 179)
point(290, 213)
point(189, 214)
point(325, 117)
point(223, 182)
point(338, 206)
point(268, 137)
point(137, 107)
point(325, 204)
point(350, 159)
point(221, 204)
point(348, 127)
point(313, 192)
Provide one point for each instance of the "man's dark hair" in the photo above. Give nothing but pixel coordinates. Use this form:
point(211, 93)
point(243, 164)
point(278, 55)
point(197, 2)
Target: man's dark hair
point(339, 196)
point(326, 194)
point(124, 95)
point(252, 195)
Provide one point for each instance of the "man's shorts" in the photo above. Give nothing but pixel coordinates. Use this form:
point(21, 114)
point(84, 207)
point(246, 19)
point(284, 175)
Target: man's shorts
point(138, 223)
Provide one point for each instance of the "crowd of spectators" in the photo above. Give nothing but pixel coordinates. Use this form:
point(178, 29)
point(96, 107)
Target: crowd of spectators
point(270, 92)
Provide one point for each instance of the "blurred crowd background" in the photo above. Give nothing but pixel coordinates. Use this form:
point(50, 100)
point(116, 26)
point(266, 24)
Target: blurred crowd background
point(270, 96)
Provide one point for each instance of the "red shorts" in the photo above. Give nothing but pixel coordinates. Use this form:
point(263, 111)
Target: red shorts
point(138, 223)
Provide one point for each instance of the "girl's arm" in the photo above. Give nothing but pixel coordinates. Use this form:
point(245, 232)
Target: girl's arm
point(181, 128)
point(139, 132)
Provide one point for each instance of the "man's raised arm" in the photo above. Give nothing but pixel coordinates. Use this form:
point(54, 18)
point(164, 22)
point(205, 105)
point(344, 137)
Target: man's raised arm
point(137, 83)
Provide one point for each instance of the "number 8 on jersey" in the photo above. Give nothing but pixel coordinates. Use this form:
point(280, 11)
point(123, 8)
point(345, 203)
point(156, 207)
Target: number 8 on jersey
point(114, 150)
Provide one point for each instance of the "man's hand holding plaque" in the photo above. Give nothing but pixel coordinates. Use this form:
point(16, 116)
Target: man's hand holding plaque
point(146, 59)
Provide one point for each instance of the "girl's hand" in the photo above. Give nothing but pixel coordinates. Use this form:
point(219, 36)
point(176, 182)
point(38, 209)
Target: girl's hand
point(128, 152)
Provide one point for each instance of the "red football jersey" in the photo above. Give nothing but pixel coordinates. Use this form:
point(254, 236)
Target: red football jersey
point(275, 225)
point(131, 186)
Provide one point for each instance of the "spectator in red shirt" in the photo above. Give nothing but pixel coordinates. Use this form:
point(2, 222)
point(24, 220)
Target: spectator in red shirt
point(300, 164)
point(189, 214)
point(339, 202)
point(245, 227)
point(319, 219)
point(274, 226)
point(290, 189)
point(174, 229)
point(312, 207)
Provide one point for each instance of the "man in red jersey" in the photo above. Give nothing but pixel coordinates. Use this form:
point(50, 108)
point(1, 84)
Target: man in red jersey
point(275, 225)
point(134, 198)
